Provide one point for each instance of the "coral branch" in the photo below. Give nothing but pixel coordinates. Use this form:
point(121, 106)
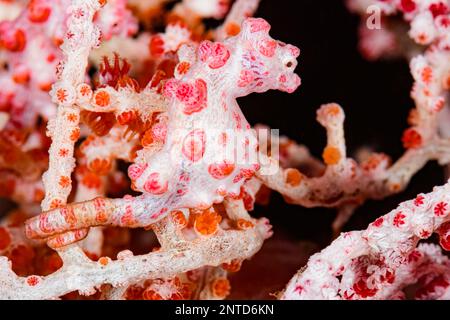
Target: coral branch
point(80, 273)
point(366, 264)
point(240, 10)
point(79, 39)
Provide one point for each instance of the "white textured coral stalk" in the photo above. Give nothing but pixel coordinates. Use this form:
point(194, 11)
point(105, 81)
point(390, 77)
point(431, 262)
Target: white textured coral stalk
point(80, 38)
point(83, 274)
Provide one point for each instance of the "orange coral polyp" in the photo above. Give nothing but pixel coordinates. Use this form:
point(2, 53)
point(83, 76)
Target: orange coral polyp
point(293, 177)
point(61, 95)
point(55, 203)
point(91, 180)
point(331, 155)
point(232, 266)
point(221, 288)
point(179, 218)
point(21, 78)
point(411, 139)
point(232, 29)
point(333, 110)
point(147, 138)
point(126, 117)
point(102, 98)
point(64, 181)
point(207, 223)
point(244, 224)
point(100, 166)
point(183, 67)
point(17, 43)
point(104, 261)
point(38, 13)
point(150, 294)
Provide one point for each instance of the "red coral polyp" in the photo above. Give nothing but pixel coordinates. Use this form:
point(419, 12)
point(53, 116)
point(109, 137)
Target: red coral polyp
point(38, 11)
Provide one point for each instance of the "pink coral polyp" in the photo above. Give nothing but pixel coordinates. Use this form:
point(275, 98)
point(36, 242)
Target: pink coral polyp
point(136, 170)
point(155, 184)
point(221, 170)
point(257, 25)
point(267, 47)
point(215, 54)
point(193, 96)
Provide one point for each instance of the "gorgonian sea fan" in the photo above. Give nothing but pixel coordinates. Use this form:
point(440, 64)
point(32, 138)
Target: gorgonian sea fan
point(112, 127)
